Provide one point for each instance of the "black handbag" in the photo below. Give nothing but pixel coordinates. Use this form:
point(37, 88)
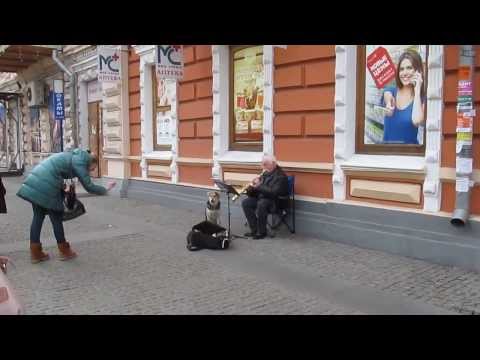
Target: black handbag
point(72, 207)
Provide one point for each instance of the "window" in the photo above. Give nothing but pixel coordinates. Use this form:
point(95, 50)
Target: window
point(391, 99)
point(246, 98)
point(46, 131)
point(163, 93)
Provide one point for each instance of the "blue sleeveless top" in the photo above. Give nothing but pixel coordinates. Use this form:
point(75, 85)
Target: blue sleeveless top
point(399, 128)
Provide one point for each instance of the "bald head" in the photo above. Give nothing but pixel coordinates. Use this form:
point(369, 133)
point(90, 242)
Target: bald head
point(269, 163)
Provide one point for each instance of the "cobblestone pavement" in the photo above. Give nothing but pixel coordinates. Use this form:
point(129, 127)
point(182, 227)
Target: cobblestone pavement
point(132, 260)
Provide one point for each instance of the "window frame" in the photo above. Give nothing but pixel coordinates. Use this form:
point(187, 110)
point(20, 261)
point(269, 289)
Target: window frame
point(381, 149)
point(155, 110)
point(233, 145)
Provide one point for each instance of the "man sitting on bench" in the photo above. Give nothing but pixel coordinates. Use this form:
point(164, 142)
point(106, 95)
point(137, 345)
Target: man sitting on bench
point(262, 196)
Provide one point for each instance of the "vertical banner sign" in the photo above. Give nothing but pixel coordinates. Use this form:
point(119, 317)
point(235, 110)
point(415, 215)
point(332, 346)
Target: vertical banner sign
point(169, 61)
point(59, 104)
point(58, 116)
point(108, 64)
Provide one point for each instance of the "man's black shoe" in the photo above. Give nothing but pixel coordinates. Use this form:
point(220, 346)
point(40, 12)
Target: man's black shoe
point(250, 234)
point(260, 236)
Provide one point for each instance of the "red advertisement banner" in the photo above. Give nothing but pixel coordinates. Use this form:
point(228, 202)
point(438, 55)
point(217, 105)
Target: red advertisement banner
point(381, 67)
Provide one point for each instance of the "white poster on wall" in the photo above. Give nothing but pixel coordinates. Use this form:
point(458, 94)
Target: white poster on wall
point(163, 128)
point(462, 184)
point(464, 165)
point(94, 91)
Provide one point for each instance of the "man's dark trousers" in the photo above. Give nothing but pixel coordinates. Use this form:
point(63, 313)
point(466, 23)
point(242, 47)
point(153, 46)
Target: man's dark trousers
point(256, 211)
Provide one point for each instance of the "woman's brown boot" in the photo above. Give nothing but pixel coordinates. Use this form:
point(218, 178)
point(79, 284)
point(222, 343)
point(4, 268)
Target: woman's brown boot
point(36, 253)
point(65, 252)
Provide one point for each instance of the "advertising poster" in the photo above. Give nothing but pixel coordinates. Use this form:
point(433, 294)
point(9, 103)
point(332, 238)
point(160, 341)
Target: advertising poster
point(462, 184)
point(395, 94)
point(166, 92)
point(248, 90)
point(163, 128)
point(464, 122)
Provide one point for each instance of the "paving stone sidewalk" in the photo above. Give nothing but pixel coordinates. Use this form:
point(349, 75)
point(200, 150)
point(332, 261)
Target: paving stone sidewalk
point(133, 261)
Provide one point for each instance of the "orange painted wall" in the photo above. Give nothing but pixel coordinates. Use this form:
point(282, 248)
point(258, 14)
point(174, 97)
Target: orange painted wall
point(135, 169)
point(195, 113)
point(449, 126)
point(199, 175)
point(304, 82)
point(313, 184)
point(448, 198)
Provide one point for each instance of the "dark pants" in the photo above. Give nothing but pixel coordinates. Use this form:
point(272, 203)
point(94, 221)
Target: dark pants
point(56, 217)
point(3, 204)
point(256, 211)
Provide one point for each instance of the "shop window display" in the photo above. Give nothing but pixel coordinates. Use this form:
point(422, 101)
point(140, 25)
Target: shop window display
point(163, 94)
point(391, 107)
point(247, 87)
point(46, 131)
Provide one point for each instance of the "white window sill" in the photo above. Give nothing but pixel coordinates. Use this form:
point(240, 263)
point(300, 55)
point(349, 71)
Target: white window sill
point(241, 157)
point(159, 155)
point(387, 163)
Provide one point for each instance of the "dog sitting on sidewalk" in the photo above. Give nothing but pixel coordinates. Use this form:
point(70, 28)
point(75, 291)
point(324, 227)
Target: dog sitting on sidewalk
point(212, 210)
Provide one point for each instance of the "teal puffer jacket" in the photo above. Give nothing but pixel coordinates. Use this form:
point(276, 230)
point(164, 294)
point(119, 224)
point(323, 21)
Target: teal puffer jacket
point(44, 184)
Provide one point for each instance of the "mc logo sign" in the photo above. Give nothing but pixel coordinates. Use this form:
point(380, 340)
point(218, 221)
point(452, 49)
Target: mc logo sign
point(108, 65)
point(169, 61)
point(169, 55)
point(107, 61)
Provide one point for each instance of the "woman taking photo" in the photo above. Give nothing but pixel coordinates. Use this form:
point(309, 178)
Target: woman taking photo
point(43, 188)
point(405, 103)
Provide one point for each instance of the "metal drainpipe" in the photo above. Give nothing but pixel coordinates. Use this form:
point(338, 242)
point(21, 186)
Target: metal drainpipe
point(464, 138)
point(73, 94)
point(59, 63)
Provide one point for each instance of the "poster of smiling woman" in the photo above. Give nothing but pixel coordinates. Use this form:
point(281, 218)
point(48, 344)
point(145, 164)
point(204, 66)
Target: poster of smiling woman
point(395, 94)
